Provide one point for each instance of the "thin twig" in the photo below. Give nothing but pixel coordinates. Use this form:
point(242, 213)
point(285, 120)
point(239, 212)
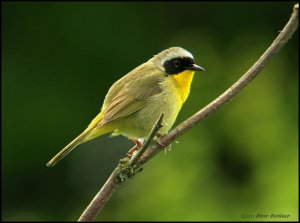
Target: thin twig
point(111, 184)
point(152, 134)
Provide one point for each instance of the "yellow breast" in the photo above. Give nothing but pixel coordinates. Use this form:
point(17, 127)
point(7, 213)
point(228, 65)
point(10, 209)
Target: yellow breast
point(183, 82)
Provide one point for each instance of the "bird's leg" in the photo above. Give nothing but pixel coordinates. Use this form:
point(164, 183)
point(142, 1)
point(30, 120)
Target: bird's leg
point(137, 146)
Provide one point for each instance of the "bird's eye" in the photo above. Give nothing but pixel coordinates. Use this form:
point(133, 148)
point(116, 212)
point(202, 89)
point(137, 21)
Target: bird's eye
point(177, 63)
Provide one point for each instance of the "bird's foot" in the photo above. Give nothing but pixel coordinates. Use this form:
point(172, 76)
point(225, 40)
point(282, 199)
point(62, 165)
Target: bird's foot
point(158, 140)
point(137, 146)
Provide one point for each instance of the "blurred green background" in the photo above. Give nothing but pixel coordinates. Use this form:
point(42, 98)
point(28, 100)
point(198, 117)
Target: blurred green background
point(58, 62)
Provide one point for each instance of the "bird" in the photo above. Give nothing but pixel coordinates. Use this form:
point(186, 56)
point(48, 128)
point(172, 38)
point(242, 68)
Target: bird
point(135, 102)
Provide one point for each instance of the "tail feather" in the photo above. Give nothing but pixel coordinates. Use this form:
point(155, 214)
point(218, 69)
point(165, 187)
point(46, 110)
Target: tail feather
point(90, 133)
point(59, 156)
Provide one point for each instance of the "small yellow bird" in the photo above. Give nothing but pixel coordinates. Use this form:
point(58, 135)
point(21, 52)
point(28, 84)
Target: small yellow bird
point(134, 103)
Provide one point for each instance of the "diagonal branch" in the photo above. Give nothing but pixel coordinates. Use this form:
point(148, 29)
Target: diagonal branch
point(112, 183)
point(126, 168)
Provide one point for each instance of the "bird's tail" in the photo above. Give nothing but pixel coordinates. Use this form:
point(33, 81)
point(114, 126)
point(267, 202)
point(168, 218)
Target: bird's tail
point(59, 156)
point(90, 133)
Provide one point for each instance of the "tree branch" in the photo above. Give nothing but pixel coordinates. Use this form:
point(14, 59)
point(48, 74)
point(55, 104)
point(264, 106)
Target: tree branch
point(126, 168)
point(112, 183)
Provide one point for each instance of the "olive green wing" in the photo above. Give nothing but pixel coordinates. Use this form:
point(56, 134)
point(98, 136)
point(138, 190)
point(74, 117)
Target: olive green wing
point(133, 96)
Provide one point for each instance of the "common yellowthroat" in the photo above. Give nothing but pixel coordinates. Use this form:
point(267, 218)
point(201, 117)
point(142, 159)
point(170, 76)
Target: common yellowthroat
point(135, 102)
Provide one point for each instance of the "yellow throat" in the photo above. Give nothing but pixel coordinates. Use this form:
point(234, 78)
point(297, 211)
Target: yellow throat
point(183, 82)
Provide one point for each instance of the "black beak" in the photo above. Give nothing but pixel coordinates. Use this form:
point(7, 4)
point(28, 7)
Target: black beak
point(195, 67)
